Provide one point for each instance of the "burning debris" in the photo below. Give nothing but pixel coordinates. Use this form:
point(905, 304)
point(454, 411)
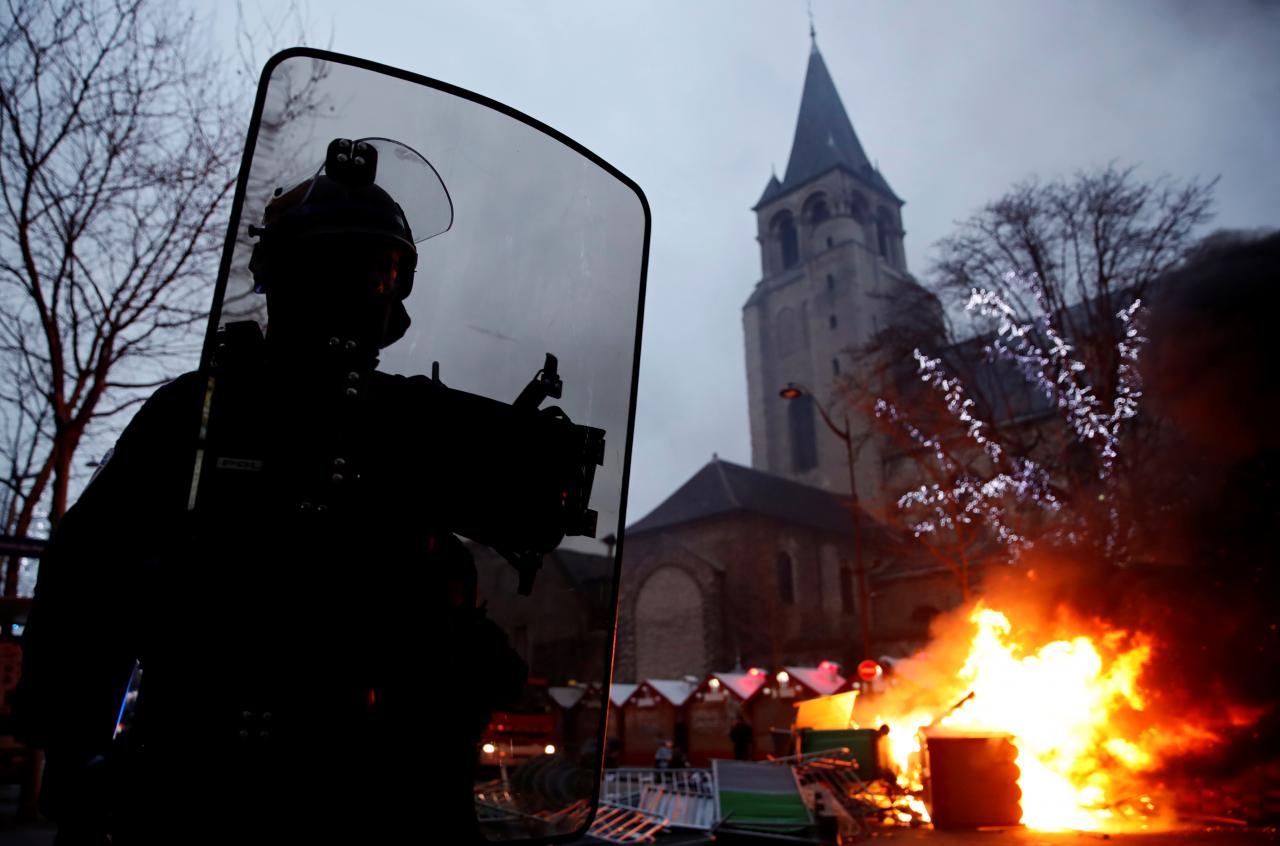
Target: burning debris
point(1072, 707)
point(1059, 716)
point(1135, 640)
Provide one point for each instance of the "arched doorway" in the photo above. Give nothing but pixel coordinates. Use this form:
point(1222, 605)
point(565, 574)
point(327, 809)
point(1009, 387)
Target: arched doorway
point(669, 636)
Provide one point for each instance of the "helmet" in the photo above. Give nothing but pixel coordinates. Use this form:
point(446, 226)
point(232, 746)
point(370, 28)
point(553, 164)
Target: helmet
point(342, 230)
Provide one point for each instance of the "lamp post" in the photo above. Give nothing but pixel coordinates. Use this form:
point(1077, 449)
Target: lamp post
point(793, 391)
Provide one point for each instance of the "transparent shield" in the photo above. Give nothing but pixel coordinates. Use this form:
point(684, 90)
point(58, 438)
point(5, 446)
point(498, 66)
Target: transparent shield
point(539, 249)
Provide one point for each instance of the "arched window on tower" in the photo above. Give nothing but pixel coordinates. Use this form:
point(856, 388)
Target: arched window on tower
point(784, 229)
point(804, 443)
point(816, 209)
point(786, 578)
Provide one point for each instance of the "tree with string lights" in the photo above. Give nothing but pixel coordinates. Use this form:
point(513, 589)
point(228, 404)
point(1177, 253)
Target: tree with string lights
point(1028, 431)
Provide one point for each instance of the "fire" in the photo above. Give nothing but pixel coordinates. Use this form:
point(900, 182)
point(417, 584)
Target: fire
point(1074, 707)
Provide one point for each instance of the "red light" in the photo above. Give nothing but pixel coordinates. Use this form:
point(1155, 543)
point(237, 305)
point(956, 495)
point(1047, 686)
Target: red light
point(755, 671)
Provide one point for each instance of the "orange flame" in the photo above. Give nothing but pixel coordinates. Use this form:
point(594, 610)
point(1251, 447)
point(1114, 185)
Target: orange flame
point(1075, 708)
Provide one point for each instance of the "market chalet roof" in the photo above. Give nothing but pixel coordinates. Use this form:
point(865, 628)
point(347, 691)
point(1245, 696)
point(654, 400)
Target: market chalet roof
point(742, 685)
point(620, 692)
point(822, 680)
point(566, 697)
point(824, 139)
point(722, 487)
point(675, 691)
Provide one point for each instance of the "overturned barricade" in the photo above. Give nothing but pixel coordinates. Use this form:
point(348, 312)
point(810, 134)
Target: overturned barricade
point(615, 824)
point(683, 797)
point(760, 797)
point(835, 781)
point(740, 800)
point(810, 797)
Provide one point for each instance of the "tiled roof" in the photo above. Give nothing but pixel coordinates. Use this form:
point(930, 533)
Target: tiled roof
point(722, 487)
point(583, 567)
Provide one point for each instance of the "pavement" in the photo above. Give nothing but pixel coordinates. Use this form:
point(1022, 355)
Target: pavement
point(42, 835)
point(1021, 837)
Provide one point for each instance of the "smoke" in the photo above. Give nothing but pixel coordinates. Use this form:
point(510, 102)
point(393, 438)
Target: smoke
point(1204, 593)
point(1214, 596)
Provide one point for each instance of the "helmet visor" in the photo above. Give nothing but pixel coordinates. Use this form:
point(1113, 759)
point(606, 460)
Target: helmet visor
point(411, 181)
point(365, 264)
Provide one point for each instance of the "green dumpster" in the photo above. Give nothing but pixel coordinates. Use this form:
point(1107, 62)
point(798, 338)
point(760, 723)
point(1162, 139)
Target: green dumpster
point(866, 746)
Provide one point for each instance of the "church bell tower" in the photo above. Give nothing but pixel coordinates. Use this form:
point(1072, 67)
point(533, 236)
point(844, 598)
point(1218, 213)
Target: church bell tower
point(832, 268)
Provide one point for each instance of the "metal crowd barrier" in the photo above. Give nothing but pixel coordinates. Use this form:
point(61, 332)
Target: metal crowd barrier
point(684, 797)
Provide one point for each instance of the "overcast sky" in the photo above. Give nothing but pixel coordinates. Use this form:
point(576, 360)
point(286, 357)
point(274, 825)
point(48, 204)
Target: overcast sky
point(696, 101)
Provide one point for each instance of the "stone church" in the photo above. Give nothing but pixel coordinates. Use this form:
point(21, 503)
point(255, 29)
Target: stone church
point(760, 566)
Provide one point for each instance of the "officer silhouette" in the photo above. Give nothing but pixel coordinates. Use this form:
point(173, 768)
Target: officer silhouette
point(267, 541)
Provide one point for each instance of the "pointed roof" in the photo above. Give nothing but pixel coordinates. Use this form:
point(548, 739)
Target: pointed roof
point(620, 692)
point(675, 691)
point(742, 685)
point(722, 487)
point(824, 137)
point(566, 697)
point(773, 189)
point(823, 680)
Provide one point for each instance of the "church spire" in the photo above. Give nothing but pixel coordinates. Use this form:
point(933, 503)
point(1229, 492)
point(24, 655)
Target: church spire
point(824, 136)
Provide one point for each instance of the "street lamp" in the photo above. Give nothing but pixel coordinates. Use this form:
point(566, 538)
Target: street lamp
point(794, 390)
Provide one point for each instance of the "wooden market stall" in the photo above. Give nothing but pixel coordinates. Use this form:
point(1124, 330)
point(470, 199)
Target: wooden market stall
point(653, 714)
point(577, 713)
point(715, 706)
point(775, 708)
point(615, 733)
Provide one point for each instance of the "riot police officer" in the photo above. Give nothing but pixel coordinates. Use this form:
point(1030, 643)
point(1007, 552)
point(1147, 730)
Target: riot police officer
point(265, 542)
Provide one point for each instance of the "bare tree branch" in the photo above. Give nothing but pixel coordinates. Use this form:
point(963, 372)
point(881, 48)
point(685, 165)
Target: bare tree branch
point(119, 140)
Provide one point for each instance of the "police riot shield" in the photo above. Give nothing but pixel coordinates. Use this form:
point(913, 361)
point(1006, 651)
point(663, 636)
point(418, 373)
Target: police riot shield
point(501, 267)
